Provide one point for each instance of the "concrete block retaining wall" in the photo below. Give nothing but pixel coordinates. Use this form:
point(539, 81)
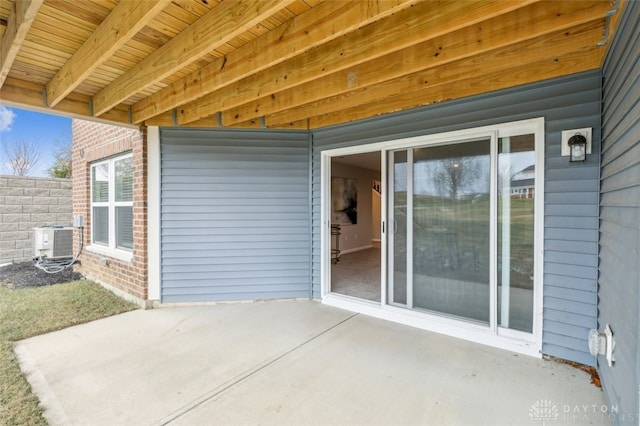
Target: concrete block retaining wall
point(27, 203)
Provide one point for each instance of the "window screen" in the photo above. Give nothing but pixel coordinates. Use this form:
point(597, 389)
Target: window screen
point(124, 227)
point(100, 183)
point(101, 225)
point(124, 179)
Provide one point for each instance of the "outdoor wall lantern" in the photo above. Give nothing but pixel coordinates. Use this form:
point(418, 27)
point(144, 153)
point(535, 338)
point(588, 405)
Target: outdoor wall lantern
point(577, 148)
point(576, 144)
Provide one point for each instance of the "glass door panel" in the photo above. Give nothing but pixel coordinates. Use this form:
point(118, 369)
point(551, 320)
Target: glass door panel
point(461, 230)
point(398, 229)
point(451, 229)
point(516, 189)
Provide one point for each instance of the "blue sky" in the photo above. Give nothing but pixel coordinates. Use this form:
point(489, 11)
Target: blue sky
point(46, 131)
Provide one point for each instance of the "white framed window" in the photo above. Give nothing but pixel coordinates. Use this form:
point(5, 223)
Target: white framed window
point(112, 205)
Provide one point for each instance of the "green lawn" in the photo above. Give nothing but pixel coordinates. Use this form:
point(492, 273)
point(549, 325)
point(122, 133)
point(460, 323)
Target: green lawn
point(32, 311)
point(451, 237)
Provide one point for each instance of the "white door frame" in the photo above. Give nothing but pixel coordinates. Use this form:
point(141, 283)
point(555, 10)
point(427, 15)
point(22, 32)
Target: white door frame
point(525, 343)
point(325, 217)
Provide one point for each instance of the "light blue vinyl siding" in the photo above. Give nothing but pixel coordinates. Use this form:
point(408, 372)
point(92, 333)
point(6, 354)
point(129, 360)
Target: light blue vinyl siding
point(571, 190)
point(234, 215)
point(619, 278)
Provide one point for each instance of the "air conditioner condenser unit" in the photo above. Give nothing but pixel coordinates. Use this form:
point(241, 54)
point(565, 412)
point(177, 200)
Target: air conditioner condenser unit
point(53, 242)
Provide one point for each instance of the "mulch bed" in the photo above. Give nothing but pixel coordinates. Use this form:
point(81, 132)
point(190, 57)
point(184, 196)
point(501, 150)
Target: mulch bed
point(25, 274)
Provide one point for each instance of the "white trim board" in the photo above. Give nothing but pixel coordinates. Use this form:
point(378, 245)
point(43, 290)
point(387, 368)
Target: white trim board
point(153, 212)
point(432, 323)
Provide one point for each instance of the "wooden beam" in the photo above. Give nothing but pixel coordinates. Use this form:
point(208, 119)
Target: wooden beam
point(226, 21)
point(166, 120)
point(294, 125)
point(161, 120)
point(30, 96)
point(550, 47)
point(22, 15)
point(517, 75)
point(533, 22)
point(323, 23)
point(403, 29)
point(306, 100)
point(124, 21)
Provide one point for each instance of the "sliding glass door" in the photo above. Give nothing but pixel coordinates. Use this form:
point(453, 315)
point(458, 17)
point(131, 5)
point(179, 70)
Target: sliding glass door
point(451, 224)
point(461, 234)
point(515, 248)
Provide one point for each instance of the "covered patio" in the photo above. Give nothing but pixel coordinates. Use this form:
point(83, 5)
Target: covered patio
point(292, 362)
point(228, 115)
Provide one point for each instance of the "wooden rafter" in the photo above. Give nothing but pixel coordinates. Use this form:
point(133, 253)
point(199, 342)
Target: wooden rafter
point(495, 38)
point(552, 47)
point(126, 20)
point(518, 74)
point(403, 29)
point(22, 15)
point(325, 22)
point(283, 63)
point(226, 21)
point(21, 94)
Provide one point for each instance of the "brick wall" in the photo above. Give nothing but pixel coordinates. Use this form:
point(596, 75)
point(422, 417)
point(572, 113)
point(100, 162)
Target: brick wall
point(93, 142)
point(27, 203)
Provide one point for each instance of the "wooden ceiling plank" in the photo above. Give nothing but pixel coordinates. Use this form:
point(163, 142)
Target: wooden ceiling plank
point(326, 22)
point(223, 23)
point(72, 32)
point(129, 17)
point(39, 59)
point(197, 8)
point(520, 74)
point(61, 19)
point(84, 11)
point(33, 46)
point(167, 25)
point(28, 95)
point(54, 41)
point(22, 15)
point(533, 22)
point(180, 14)
point(554, 46)
point(408, 27)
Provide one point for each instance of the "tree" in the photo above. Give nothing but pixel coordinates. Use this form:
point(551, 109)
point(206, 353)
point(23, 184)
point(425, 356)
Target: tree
point(62, 166)
point(456, 174)
point(20, 157)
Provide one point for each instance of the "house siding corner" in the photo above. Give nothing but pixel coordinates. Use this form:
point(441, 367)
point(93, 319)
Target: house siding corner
point(619, 237)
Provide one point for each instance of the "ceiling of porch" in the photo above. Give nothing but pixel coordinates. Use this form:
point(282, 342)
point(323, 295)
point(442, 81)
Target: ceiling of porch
point(283, 63)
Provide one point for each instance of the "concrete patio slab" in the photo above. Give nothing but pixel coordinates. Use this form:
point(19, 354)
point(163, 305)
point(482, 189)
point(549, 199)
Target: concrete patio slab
point(291, 362)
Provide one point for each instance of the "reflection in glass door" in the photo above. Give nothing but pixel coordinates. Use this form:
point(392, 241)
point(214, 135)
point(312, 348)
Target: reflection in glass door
point(461, 234)
point(516, 194)
point(399, 263)
point(451, 221)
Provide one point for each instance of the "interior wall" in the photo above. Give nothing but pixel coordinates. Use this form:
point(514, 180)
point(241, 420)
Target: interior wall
point(358, 236)
point(376, 216)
